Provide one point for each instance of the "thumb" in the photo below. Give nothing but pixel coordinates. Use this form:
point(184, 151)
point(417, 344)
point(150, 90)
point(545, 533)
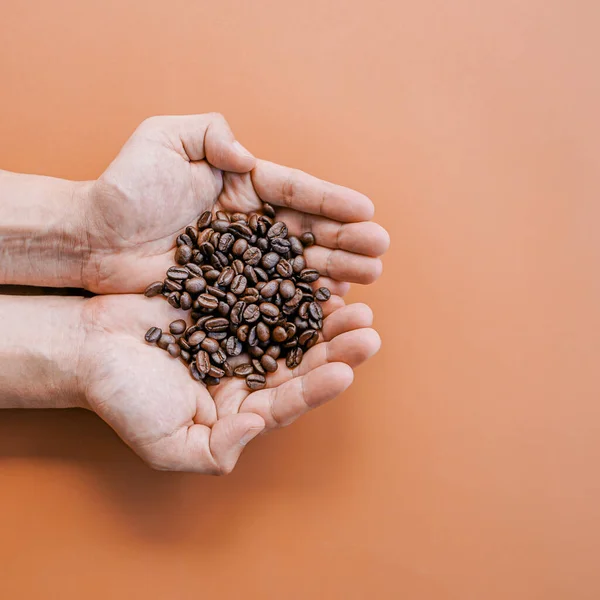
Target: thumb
point(202, 137)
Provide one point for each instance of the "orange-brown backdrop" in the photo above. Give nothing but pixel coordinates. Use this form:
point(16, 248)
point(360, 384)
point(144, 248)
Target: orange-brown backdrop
point(463, 463)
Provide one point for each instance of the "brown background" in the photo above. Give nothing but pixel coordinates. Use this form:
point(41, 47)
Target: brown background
point(463, 463)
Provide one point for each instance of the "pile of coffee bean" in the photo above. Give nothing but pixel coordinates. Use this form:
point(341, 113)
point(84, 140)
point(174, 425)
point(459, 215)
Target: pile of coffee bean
point(248, 289)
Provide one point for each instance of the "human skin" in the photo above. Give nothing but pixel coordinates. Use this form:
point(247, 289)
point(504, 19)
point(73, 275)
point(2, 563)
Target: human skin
point(114, 236)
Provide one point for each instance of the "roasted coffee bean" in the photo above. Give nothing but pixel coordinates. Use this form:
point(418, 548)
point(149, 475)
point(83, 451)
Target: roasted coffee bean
point(214, 239)
point(260, 285)
point(154, 289)
point(184, 344)
point(250, 296)
point(307, 238)
point(177, 327)
point(237, 312)
point(227, 369)
point(295, 245)
point(192, 233)
point(303, 310)
point(278, 229)
point(222, 215)
point(226, 242)
point(279, 334)
point(322, 294)
point(197, 257)
point(255, 351)
point(183, 254)
point(269, 260)
point(218, 260)
point(268, 363)
point(315, 323)
point(223, 308)
point(241, 230)
point(185, 356)
point(298, 264)
point(219, 357)
point(226, 277)
point(238, 284)
point(185, 301)
point(284, 268)
point(172, 286)
point(205, 220)
point(196, 338)
point(208, 302)
point(287, 289)
point(233, 346)
point(295, 300)
point(204, 237)
point(300, 323)
point(257, 366)
point(202, 360)
point(201, 321)
point(269, 289)
point(216, 324)
point(211, 275)
point(256, 381)
point(173, 299)
point(294, 358)
point(216, 291)
point(288, 310)
point(280, 245)
point(263, 332)
point(216, 372)
point(194, 372)
point(153, 335)
point(242, 333)
point(251, 313)
point(164, 340)
point(194, 270)
point(253, 221)
point(174, 350)
point(271, 321)
point(243, 370)
point(238, 216)
point(208, 380)
point(239, 247)
point(274, 351)
point(210, 345)
point(261, 274)
point(252, 337)
point(217, 335)
point(184, 240)
point(195, 285)
point(207, 249)
point(308, 338)
point(268, 210)
point(290, 343)
point(309, 275)
point(250, 274)
point(305, 287)
point(230, 298)
point(269, 309)
point(220, 225)
point(315, 310)
point(252, 256)
point(291, 330)
point(262, 244)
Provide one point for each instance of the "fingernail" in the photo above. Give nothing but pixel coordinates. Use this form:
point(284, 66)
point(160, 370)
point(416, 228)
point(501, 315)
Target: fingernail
point(241, 149)
point(250, 435)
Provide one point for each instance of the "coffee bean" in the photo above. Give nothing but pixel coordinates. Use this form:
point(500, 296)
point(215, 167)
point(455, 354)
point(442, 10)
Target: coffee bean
point(208, 380)
point(202, 320)
point(278, 229)
point(279, 334)
point(219, 357)
point(154, 289)
point(252, 337)
point(238, 216)
point(280, 245)
point(184, 240)
point(196, 338)
point(233, 346)
point(241, 230)
point(226, 277)
point(269, 309)
point(218, 260)
point(177, 327)
point(222, 215)
point(217, 324)
point(153, 335)
point(238, 284)
point(185, 356)
point(217, 335)
point(287, 289)
point(257, 366)
point(164, 340)
point(256, 381)
point(230, 298)
point(194, 271)
point(192, 233)
point(255, 351)
point(173, 299)
point(205, 237)
point(262, 244)
point(295, 245)
point(220, 225)
point(194, 372)
point(274, 351)
point(242, 333)
point(183, 343)
point(260, 274)
point(243, 370)
point(204, 220)
point(268, 210)
point(268, 363)
point(216, 372)
point(263, 332)
point(226, 242)
point(251, 296)
point(227, 369)
point(298, 264)
point(269, 289)
point(214, 239)
point(183, 254)
point(208, 302)
point(307, 238)
point(269, 260)
point(309, 275)
point(252, 256)
point(295, 300)
point(207, 249)
point(185, 301)
point(290, 343)
point(301, 324)
point(284, 268)
point(210, 345)
point(239, 247)
point(211, 275)
point(251, 313)
point(308, 338)
point(315, 310)
point(223, 308)
point(174, 350)
point(303, 310)
point(172, 286)
point(237, 312)
point(294, 358)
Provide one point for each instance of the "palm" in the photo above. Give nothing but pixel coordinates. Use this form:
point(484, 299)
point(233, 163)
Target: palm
point(174, 422)
point(165, 177)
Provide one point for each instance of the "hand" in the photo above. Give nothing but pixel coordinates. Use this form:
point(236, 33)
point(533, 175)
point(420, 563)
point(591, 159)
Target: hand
point(174, 168)
point(176, 423)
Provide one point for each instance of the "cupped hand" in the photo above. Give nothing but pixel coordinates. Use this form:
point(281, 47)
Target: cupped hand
point(176, 423)
point(174, 168)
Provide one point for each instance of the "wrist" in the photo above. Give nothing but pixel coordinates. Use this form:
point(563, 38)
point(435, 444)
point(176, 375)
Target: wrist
point(43, 230)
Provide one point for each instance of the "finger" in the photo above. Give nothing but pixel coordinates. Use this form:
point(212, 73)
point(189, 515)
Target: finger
point(344, 266)
point(295, 189)
point(282, 405)
point(347, 318)
point(202, 136)
point(334, 303)
point(365, 237)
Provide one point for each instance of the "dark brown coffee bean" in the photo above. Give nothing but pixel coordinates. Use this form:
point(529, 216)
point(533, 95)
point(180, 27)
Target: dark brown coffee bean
point(250, 274)
point(274, 351)
point(238, 284)
point(256, 381)
point(185, 356)
point(226, 277)
point(210, 345)
point(204, 220)
point(217, 335)
point(211, 275)
point(208, 302)
point(242, 333)
point(153, 335)
point(194, 270)
point(268, 363)
point(205, 236)
point(214, 239)
point(230, 298)
point(240, 229)
point(307, 238)
point(309, 275)
point(239, 216)
point(269, 260)
point(192, 233)
point(263, 332)
point(251, 296)
point(216, 372)
point(220, 225)
point(252, 256)
point(279, 334)
point(177, 327)
point(172, 286)
point(303, 310)
point(195, 285)
point(216, 291)
point(268, 210)
point(233, 346)
point(196, 338)
point(183, 254)
point(183, 343)
point(237, 312)
point(269, 309)
point(294, 358)
point(252, 337)
point(315, 310)
point(260, 274)
point(226, 242)
point(287, 289)
point(295, 300)
point(207, 249)
point(184, 240)
point(217, 324)
point(298, 264)
point(253, 221)
point(280, 245)
point(174, 350)
point(278, 229)
point(227, 369)
point(219, 357)
point(290, 343)
point(218, 260)
point(173, 299)
point(295, 245)
point(251, 313)
point(269, 289)
point(315, 323)
point(239, 247)
point(284, 268)
point(164, 340)
point(262, 244)
point(202, 360)
point(243, 370)
point(257, 366)
point(222, 215)
point(223, 308)
point(194, 372)
point(291, 330)
point(255, 351)
point(154, 289)
point(185, 301)
point(201, 321)
point(300, 323)
point(208, 380)
point(308, 338)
